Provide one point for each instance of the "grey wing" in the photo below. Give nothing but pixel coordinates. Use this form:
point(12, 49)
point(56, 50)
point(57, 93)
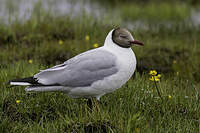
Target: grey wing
point(82, 70)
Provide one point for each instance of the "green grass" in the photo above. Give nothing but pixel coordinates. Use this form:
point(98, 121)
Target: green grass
point(136, 107)
point(155, 11)
point(118, 2)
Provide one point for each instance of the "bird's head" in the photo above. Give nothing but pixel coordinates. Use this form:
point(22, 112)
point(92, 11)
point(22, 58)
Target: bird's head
point(123, 38)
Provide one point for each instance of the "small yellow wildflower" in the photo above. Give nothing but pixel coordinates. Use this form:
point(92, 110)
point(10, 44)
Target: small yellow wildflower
point(60, 42)
point(96, 45)
point(153, 72)
point(158, 76)
point(157, 79)
point(30, 61)
point(18, 101)
point(137, 130)
point(177, 73)
point(154, 78)
point(174, 62)
point(169, 96)
point(87, 37)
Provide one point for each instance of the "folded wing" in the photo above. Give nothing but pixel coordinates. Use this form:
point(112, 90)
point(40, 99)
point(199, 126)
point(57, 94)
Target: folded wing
point(82, 70)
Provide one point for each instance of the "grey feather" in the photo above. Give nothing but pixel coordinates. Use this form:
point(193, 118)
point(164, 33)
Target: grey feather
point(82, 70)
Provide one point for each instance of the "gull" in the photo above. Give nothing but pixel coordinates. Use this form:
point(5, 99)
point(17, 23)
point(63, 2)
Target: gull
point(91, 74)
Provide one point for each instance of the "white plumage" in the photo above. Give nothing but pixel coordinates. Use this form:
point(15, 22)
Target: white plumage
point(90, 74)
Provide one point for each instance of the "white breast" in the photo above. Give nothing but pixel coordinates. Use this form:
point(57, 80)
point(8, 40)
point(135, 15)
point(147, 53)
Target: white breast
point(126, 64)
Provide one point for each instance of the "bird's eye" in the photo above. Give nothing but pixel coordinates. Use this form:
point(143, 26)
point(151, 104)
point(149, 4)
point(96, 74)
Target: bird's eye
point(125, 37)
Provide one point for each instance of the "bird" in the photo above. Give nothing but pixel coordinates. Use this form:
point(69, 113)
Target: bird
point(90, 74)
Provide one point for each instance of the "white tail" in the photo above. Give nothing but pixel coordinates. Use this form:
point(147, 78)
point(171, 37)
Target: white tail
point(19, 83)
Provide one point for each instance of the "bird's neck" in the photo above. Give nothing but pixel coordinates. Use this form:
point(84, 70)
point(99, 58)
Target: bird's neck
point(111, 46)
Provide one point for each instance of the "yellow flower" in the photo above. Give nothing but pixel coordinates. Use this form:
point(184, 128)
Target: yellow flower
point(154, 78)
point(177, 73)
point(137, 130)
point(60, 42)
point(169, 96)
point(174, 62)
point(30, 61)
point(96, 45)
point(18, 101)
point(87, 37)
point(158, 76)
point(157, 79)
point(153, 72)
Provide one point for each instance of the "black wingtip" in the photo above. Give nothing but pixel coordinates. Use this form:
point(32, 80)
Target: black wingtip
point(7, 83)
